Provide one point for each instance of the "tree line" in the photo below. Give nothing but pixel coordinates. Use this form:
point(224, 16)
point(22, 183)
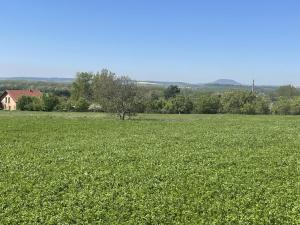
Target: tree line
point(106, 92)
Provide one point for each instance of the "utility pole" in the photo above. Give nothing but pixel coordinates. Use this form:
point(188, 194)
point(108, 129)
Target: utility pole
point(253, 86)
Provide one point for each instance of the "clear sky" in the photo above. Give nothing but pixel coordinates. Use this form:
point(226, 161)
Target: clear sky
point(168, 40)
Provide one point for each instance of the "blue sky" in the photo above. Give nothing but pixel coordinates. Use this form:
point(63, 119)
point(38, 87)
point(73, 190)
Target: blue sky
point(191, 41)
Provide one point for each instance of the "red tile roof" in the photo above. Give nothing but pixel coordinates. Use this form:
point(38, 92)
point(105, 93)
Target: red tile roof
point(16, 94)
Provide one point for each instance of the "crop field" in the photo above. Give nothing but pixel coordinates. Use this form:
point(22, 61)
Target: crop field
point(89, 168)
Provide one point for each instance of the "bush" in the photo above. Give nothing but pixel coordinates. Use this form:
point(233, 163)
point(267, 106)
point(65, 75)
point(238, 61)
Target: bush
point(95, 108)
point(207, 104)
point(248, 108)
point(27, 103)
point(178, 104)
point(295, 106)
point(155, 105)
point(50, 102)
point(81, 105)
point(243, 102)
point(262, 106)
point(287, 106)
point(234, 101)
point(282, 106)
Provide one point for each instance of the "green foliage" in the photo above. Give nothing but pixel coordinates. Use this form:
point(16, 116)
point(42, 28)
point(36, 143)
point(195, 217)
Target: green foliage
point(117, 94)
point(262, 105)
point(295, 106)
point(50, 102)
point(65, 105)
point(103, 88)
point(27, 103)
point(207, 104)
point(233, 102)
point(155, 105)
point(287, 91)
point(82, 86)
point(81, 105)
point(287, 106)
point(282, 106)
point(243, 102)
point(258, 105)
point(86, 168)
point(178, 104)
point(171, 91)
point(122, 96)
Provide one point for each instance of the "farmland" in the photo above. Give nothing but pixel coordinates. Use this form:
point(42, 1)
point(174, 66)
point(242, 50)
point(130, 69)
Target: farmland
point(89, 168)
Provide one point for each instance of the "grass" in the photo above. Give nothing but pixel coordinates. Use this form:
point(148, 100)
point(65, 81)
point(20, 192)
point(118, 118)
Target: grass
point(89, 168)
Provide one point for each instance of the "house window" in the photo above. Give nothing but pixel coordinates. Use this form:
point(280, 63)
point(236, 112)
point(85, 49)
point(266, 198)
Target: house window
point(5, 99)
point(8, 99)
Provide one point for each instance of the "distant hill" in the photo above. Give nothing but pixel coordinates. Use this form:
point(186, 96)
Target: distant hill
point(216, 86)
point(43, 79)
point(168, 83)
point(226, 82)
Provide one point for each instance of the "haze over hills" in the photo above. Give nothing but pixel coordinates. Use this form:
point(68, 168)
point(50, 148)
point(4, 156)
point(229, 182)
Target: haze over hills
point(226, 82)
point(57, 79)
point(215, 86)
point(45, 79)
point(164, 83)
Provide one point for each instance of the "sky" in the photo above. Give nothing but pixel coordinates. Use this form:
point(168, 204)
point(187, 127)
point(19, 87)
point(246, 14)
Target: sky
point(193, 41)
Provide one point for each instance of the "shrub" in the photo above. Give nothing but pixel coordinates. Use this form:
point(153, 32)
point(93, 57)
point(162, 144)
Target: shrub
point(282, 106)
point(207, 104)
point(27, 103)
point(50, 102)
point(95, 108)
point(82, 105)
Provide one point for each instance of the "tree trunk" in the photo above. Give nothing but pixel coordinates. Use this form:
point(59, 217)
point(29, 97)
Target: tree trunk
point(123, 115)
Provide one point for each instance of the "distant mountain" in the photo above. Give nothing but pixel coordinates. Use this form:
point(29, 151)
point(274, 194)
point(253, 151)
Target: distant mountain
point(226, 82)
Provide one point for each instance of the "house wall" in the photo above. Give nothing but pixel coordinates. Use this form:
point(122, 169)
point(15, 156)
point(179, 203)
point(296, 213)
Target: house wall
point(8, 103)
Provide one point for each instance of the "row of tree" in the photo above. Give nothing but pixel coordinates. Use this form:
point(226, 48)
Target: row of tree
point(48, 102)
point(104, 91)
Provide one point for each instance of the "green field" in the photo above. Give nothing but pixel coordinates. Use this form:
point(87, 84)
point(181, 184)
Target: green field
point(88, 168)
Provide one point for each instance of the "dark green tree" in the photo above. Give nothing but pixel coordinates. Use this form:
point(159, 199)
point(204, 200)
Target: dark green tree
point(171, 91)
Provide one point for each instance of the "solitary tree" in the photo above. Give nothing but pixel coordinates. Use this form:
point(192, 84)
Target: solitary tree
point(125, 97)
point(115, 94)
